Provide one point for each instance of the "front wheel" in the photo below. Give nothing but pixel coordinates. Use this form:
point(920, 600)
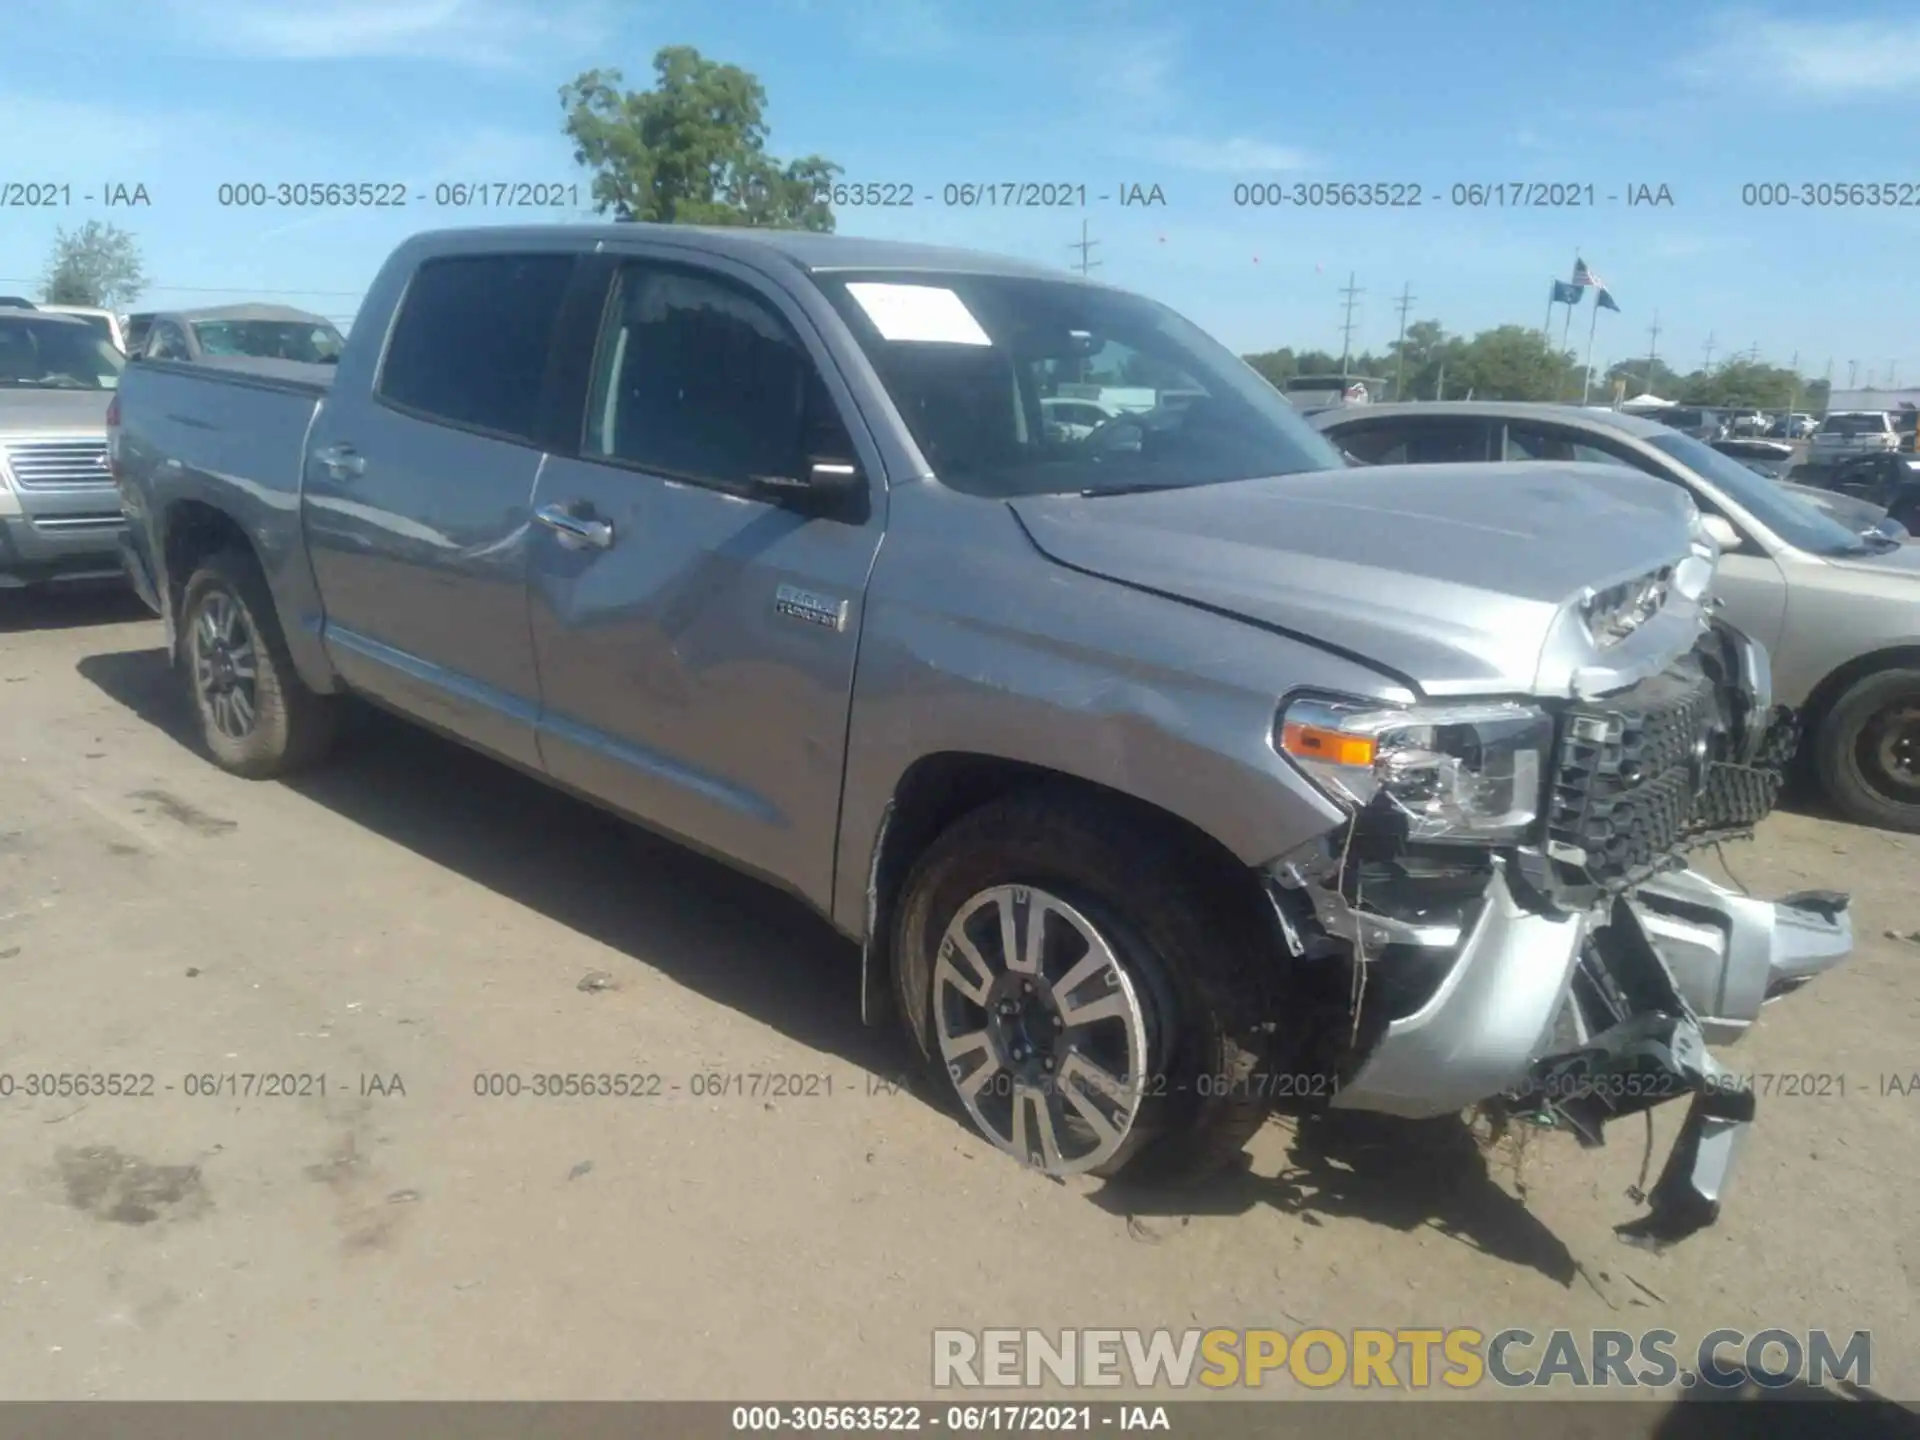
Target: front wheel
point(1867, 750)
point(1082, 993)
point(257, 717)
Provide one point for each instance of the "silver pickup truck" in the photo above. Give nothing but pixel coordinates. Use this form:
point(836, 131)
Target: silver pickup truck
point(1163, 773)
point(59, 514)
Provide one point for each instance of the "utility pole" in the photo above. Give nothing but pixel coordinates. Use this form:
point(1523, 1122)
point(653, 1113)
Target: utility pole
point(1827, 402)
point(1793, 391)
point(1085, 247)
point(1400, 345)
point(1653, 348)
point(1892, 365)
point(1708, 365)
point(1352, 292)
point(1853, 373)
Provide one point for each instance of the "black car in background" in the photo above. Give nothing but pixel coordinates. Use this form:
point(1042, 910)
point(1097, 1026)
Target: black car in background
point(1889, 480)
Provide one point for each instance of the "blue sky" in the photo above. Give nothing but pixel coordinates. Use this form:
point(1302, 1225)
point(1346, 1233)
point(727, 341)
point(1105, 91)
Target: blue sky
point(183, 95)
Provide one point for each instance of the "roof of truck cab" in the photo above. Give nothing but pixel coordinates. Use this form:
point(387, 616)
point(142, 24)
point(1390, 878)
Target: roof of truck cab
point(808, 249)
point(1502, 409)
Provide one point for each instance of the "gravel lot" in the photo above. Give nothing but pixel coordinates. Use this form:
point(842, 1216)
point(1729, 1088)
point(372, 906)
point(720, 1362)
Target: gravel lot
point(421, 915)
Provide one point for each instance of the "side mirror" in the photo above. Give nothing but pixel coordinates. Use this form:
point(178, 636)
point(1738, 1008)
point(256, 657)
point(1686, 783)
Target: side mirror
point(1723, 532)
point(835, 479)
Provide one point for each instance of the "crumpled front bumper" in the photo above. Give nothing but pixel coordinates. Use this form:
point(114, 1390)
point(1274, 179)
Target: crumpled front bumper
point(1575, 1020)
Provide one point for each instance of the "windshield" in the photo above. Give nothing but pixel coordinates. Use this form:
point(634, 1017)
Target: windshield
point(1787, 516)
point(970, 359)
point(99, 324)
point(1855, 425)
point(46, 354)
point(270, 339)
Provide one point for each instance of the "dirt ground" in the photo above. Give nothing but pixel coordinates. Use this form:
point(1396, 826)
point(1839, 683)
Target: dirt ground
point(419, 916)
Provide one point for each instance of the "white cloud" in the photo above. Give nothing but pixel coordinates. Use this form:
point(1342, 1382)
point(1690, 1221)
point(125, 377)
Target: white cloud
point(483, 33)
point(1819, 59)
point(1239, 154)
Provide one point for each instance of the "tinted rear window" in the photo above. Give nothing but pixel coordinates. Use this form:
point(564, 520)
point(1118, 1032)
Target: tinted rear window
point(470, 345)
point(1855, 425)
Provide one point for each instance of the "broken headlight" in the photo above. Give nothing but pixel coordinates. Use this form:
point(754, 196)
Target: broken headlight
point(1453, 772)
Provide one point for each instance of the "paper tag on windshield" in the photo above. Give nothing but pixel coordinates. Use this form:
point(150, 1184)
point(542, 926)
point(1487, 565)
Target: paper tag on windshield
point(924, 313)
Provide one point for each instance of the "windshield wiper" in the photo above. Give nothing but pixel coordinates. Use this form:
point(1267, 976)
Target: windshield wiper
point(1141, 487)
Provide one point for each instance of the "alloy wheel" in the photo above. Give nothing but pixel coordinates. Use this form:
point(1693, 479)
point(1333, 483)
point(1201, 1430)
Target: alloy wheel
point(1045, 1033)
point(225, 664)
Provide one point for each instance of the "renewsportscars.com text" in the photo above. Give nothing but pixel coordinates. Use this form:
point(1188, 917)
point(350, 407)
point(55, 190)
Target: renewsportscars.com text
point(1456, 1358)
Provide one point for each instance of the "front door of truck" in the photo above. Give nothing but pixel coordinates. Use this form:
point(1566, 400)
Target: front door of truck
point(695, 638)
point(417, 499)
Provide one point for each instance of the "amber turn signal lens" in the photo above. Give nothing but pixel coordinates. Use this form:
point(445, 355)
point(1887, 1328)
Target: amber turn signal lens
point(1335, 747)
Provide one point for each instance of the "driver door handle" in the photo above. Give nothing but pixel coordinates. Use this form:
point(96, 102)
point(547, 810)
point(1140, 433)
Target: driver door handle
point(342, 462)
point(572, 529)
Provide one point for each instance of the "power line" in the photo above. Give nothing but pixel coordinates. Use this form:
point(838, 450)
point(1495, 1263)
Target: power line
point(213, 289)
point(1352, 292)
point(1085, 247)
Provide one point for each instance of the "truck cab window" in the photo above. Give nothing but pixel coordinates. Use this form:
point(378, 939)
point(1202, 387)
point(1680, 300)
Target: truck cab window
point(701, 379)
point(470, 345)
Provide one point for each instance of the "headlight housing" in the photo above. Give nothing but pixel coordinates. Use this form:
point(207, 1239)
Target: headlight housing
point(1468, 773)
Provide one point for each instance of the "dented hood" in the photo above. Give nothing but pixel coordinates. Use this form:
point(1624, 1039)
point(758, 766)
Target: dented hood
point(1448, 576)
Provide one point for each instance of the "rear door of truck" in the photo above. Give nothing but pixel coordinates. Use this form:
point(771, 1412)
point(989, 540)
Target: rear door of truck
point(417, 490)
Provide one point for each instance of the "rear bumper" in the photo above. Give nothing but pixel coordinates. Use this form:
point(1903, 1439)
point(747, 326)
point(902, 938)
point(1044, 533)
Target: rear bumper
point(59, 548)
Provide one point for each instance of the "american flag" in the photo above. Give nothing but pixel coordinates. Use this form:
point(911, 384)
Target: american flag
point(1582, 275)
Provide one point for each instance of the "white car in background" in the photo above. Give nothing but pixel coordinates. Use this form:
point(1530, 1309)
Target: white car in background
point(104, 321)
point(1853, 432)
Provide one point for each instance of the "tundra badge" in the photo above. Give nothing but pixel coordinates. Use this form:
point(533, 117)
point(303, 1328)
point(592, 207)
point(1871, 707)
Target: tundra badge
point(814, 609)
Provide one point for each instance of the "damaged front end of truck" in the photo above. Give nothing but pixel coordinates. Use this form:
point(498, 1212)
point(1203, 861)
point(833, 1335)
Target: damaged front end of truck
point(1508, 919)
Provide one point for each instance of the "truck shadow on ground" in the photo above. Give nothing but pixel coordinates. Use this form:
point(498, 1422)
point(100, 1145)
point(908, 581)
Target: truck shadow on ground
point(766, 955)
point(1404, 1175)
point(69, 607)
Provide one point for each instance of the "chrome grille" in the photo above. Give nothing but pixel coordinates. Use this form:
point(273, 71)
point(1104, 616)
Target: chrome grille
point(58, 464)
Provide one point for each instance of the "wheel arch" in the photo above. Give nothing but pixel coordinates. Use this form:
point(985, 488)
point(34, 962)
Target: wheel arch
point(1844, 677)
point(939, 789)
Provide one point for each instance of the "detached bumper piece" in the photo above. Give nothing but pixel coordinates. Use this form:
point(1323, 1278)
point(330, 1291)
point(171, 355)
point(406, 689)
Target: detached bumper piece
point(1730, 954)
point(1637, 1044)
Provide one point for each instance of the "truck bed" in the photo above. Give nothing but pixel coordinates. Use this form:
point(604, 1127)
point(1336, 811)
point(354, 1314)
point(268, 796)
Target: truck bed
point(246, 369)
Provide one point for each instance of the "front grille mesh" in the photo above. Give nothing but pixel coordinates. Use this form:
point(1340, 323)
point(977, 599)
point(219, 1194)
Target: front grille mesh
point(1642, 777)
point(58, 464)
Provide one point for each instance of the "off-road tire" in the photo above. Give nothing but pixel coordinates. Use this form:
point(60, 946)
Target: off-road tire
point(293, 727)
point(1181, 933)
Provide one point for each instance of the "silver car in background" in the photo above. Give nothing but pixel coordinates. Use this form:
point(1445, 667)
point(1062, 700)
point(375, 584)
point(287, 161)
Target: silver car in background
point(1839, 611)
point(262, 332)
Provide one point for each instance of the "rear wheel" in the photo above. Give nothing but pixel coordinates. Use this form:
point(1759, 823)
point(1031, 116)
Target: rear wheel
point(257, 717)
point(1867, 750)
point(1082, 993)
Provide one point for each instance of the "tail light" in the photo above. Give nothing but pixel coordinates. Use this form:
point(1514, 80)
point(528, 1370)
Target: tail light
point(113, 413)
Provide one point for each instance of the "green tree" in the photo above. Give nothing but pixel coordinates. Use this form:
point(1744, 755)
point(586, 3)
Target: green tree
point(692, 150)
point(1742, 383)
point(1512, 362)
point(1664, 381)
point(1276, 367)
point(95, 265)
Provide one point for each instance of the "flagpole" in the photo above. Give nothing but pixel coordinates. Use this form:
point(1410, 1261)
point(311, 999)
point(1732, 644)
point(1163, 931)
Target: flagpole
point(1546, 329)
point(1586, 383)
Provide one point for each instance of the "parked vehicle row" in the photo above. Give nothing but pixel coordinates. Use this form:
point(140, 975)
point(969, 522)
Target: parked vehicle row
point(60, 516)
point(1179, 759)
